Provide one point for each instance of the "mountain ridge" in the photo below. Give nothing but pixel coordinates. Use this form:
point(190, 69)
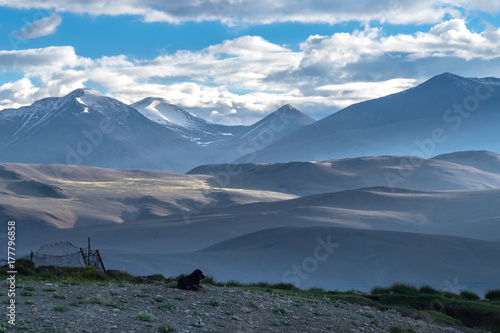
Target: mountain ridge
point(444, 114)
point(89, 128)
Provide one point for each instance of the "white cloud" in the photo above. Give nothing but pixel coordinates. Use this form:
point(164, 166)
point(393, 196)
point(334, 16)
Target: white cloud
point(245, 77)
point(353, 92)
point(49, 59)
point(43, 27)
point(18, 93)
point(233, 12)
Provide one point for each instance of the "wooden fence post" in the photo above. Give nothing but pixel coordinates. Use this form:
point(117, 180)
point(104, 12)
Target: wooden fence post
point(100, 259)
point(83, 257)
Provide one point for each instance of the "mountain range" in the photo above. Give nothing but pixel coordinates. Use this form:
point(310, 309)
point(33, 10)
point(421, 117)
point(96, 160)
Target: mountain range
point(445, 114)
point(86, 127)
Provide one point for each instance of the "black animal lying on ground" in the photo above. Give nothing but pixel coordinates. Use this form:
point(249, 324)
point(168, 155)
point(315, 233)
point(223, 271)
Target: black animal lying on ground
point(191, 282)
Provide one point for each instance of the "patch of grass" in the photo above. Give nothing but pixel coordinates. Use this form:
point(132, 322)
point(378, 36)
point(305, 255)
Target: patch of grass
point(426, 289)
point(368, 314)
point(145, 316)
point(214, 302)
point(166, 329)
point(49, 289)
point(378, 290)
point(396, 329)
point(279, 310)
point(444, 318)
point(59, 296)
point(493, 294)
point(29, 302)
point(166, 307)
point(469, 295)
point(113, 305)
point(278, 286)
point(96, 299)
point(404, 289)
point(25, 267)
point(232, 284)
point(27, 293)
point(59, 308)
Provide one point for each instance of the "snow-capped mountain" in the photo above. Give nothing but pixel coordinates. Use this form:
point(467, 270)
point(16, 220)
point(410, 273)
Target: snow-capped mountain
point(444, 114)
point(184, 122)
point(161, 111)
point(87, 127)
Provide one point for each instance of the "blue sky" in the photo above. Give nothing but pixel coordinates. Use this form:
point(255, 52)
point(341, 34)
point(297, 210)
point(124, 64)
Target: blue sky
point(235, 61)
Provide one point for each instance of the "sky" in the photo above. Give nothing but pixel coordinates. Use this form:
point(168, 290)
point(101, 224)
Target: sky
point(235, 61)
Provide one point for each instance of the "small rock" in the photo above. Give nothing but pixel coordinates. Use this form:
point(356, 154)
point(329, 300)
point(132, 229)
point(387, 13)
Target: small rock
point(245, 310)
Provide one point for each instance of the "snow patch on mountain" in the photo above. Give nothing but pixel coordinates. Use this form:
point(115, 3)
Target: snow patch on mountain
point(162, 112)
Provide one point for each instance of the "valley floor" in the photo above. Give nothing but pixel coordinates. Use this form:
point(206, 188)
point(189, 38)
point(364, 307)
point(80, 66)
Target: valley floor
point(92, 308)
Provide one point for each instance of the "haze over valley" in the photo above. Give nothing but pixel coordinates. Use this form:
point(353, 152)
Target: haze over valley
point(400, 188)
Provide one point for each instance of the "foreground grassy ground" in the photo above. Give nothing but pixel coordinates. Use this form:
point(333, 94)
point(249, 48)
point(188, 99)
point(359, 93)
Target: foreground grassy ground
point(426, 303)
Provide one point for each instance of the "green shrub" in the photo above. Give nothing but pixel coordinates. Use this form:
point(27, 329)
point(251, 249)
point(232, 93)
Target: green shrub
point(93, 274)
point(469, 295)
point(214, 302)
point(166, 329)
point(404, 289)
point(166, 307)
point(493, 294)
point(232, 283)
point(119, 276)
point(280, 310)
point(209, 280)
point(96, 299)
point(59, 296)
point(60, 308)
point(426, 289)
point(145, 316)
point(25, 267)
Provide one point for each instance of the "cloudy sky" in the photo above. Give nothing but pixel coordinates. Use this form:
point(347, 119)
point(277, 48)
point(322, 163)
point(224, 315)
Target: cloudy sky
point(234, 61)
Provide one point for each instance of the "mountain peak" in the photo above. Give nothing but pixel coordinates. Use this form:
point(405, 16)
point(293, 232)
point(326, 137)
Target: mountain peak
point(163, 112)
point(290, 111)
point(149, 100)
point(446, 78)
point(84, 91)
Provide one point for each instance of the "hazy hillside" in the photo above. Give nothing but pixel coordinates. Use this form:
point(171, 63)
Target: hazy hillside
point(455, 171)
point(447, 113)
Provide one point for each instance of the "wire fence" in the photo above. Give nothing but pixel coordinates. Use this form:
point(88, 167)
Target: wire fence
point(66, 254)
